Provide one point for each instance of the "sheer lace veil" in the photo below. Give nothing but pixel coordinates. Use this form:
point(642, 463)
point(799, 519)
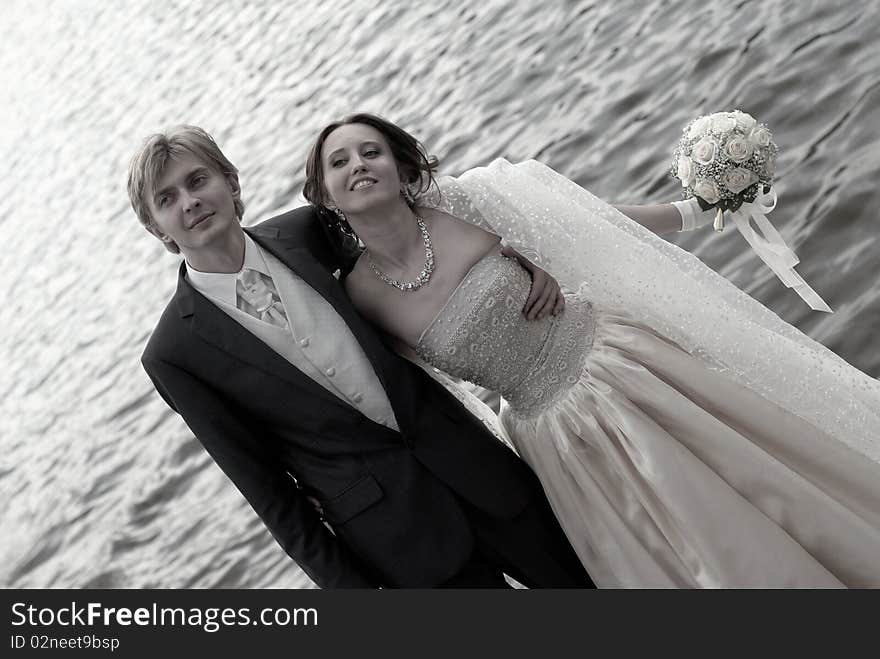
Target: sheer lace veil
point(586, 243)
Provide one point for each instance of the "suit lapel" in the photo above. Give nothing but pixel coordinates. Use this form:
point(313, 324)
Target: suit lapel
point(216, 327)
point(303, 263)
point(385, 363)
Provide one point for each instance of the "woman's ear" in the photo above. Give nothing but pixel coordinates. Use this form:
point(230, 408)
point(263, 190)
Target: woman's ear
point(407, 177)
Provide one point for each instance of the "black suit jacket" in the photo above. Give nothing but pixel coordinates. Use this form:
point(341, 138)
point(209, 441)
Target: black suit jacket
point(393, 499)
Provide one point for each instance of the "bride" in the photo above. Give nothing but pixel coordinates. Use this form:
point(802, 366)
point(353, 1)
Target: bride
point(684, 434)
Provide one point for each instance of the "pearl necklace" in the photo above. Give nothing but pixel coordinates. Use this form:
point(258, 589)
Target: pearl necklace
point(424, 276)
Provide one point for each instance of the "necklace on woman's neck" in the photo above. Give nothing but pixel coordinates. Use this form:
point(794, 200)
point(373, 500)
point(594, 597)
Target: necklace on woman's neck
point(424, 276)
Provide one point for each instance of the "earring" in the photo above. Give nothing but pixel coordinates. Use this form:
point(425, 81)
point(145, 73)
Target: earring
point(407, 195)
point(342, 221)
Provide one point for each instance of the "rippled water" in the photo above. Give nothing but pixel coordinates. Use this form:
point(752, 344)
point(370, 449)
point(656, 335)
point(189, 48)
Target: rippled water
point(103, 486)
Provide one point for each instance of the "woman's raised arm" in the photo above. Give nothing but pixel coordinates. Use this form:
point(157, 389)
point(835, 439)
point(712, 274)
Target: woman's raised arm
point(669, 218)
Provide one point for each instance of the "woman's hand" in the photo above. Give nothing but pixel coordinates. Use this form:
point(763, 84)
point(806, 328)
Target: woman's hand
point(546, 296)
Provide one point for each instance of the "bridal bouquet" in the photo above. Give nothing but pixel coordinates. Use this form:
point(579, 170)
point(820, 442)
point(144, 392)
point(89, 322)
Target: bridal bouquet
point(724, 160)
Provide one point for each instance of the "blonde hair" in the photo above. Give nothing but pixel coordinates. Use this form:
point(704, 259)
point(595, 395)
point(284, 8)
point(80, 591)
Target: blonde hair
point(149, 162)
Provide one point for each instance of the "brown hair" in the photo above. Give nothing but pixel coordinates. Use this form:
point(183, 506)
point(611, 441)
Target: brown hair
point(149, 162)
point(414, 163)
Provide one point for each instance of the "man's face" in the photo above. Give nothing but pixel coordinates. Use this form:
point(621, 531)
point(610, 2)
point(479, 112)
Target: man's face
point(360, 172)
point(194, 204)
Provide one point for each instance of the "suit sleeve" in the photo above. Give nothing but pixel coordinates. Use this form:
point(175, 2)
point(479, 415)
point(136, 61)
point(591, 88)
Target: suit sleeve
point(235, 446)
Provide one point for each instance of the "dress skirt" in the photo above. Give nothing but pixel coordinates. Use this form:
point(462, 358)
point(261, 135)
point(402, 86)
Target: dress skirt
point(666, 473)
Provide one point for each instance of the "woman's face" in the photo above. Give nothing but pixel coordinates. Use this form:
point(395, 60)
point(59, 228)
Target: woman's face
point(360, 172)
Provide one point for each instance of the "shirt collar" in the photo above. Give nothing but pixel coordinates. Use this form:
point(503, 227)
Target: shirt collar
point(220, 286)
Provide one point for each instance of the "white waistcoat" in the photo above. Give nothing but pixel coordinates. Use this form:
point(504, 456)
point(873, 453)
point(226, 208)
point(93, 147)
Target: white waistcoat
point(319, 343)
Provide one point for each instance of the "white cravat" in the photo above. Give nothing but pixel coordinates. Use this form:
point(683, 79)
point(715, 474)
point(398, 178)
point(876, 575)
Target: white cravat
point(256, 295)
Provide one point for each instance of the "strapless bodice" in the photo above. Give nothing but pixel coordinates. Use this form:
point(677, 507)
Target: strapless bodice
point(481, 335)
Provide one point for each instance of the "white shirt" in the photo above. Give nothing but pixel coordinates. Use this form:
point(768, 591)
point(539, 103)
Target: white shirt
point(319, 342)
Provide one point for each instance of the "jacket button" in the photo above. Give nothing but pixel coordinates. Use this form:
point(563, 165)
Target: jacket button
point(357, 398)
point(304, 343)
point(330, 372)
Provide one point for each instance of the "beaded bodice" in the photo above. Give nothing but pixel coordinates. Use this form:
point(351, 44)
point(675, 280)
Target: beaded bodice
point(482, 336)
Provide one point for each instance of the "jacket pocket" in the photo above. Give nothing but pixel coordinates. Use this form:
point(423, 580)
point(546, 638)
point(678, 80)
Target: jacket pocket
point(356, 498)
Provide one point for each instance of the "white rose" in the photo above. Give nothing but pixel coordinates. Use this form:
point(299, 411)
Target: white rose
point(703, 152)
point(737, 180)
point(738, 149)
point(743, 120)
point(759, 136)
point(707, 191)
point(685, 172)
point(699, 127)
point(722, 123)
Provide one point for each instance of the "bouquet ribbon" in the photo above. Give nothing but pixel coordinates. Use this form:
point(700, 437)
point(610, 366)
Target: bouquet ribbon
point(771, 248)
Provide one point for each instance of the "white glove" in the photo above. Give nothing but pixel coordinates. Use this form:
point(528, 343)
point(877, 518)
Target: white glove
point(692, 216)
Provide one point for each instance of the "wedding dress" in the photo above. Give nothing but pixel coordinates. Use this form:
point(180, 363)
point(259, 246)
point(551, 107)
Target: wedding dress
point(684, 434)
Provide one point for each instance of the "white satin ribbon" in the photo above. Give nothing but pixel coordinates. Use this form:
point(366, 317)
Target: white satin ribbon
point(771, 248)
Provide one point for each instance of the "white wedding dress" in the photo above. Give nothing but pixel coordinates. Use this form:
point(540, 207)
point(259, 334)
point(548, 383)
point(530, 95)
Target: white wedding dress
point(685, 435)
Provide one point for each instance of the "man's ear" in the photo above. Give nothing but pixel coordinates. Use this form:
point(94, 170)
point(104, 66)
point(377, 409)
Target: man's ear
point(153, 229)
point(232, 180)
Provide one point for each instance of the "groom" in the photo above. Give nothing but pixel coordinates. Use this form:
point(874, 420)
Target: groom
point(296, 397)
